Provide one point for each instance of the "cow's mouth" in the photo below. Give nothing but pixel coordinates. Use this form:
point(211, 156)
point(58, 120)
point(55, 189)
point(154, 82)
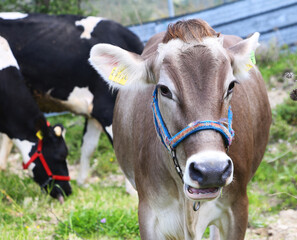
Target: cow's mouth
point(201, 193)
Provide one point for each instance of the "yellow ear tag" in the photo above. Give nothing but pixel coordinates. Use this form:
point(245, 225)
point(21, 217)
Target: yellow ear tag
point(118, 76)
point(252, 61)
point(248, 67)
point(39, 135)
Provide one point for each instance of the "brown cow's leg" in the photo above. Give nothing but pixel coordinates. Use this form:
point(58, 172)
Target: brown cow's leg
point(237, 226)
point(146, 220)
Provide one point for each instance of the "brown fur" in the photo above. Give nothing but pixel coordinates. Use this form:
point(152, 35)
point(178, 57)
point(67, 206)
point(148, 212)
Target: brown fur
point(194, 29)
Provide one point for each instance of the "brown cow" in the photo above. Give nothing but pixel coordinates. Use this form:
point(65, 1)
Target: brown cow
point(194, 78)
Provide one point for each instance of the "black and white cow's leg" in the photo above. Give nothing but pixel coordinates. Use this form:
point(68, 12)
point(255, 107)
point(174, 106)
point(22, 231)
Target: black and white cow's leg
point(90, 142)
point(5, 149)
point(129, 188)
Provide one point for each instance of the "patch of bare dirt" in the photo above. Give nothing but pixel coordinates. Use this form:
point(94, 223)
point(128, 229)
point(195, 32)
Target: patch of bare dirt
point(277, 96)
point(282, 227)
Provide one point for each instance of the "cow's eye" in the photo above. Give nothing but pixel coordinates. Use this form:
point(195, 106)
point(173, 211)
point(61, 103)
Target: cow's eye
point(231, 86)
point(165, 91)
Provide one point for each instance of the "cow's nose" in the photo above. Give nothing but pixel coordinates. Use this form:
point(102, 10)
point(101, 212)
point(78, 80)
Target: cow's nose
point(211, 174)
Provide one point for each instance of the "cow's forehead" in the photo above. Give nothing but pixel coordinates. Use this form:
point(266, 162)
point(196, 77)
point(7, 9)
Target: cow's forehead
point(176, 46)
point(195, 67)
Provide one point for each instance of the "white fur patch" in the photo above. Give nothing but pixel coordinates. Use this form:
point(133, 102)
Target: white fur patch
point(214, 212)
point(6, 57)
point(169, 224)
point(13, 15)
point(80, 101)
point(109, 131)
point(88, 24)
point(25, 148)
point(5, 148)
point(242, 59)
point(173, 47)
point(215, 45)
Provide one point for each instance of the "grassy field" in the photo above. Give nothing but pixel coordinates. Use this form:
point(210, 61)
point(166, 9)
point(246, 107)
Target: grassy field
point(104, 211)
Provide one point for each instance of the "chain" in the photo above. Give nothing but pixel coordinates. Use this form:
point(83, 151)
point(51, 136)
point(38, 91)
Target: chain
point(176, 164)
point(196, 205)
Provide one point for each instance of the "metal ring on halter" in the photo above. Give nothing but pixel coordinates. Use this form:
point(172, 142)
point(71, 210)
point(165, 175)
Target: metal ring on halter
point(196, 206)
point(46, 183)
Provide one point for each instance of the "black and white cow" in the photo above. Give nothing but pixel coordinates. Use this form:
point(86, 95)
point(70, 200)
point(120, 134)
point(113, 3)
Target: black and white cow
point(42, 146)
point(53, 55)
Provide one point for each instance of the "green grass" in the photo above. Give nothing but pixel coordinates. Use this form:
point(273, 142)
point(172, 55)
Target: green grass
point(101, 215)
point(273, 71)
point(274, 187)
point(90, 213)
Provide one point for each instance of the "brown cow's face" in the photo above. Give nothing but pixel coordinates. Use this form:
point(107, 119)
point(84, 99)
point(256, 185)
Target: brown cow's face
point(195, 80)
point(196, 83)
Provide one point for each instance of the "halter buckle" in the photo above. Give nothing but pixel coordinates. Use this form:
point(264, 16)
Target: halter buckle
point(42, 186)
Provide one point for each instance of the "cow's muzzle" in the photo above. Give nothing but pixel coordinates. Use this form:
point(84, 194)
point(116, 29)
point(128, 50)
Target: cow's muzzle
point(206, 173)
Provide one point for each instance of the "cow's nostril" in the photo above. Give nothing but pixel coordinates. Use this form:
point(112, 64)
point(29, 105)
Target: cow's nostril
point(229, 164)
point(195, 172)
point(227, 170)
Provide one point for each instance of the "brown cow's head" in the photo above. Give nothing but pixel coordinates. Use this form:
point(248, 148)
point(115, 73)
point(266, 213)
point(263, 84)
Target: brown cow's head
point(195, 76)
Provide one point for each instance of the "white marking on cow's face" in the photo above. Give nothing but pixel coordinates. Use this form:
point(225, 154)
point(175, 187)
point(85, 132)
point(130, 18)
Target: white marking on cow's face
point(80, 101)
point(7, 59)
point(88, 24)
point(109, 131)
point(210, 159)
point(173, 47)
point(25, 148)
point(215, 46)
point(13, 15)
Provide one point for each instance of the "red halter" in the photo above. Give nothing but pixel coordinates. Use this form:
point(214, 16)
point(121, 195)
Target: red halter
point(39, 154)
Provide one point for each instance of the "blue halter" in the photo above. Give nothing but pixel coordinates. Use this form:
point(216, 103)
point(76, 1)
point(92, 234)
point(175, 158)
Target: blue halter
point(172, 142)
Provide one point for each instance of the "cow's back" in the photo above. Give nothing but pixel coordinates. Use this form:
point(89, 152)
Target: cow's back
point(53, 55)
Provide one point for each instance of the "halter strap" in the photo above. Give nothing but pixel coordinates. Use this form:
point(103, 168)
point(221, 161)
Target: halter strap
point(39, 154)
point(172, 142)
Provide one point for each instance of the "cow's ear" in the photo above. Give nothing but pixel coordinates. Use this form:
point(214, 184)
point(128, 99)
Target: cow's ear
point(118, 67)
point(243, 55)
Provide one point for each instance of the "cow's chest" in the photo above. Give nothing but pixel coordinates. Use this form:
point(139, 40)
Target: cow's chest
point(169, 221)
point(174, 222)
